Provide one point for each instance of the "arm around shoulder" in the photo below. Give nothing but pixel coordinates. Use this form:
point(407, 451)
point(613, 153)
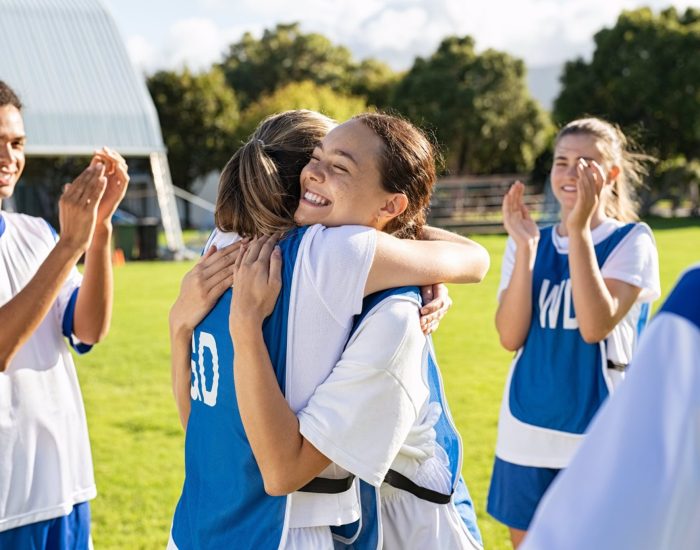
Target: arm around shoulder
point(399, 262)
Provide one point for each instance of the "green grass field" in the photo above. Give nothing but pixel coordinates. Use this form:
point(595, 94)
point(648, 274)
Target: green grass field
point(136, 438)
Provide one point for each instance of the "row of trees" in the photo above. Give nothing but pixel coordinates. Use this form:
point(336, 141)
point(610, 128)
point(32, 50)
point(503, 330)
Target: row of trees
point(644, 75)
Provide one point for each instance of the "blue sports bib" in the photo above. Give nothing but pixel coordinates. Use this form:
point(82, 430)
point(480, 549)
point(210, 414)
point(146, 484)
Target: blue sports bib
point(223, 502)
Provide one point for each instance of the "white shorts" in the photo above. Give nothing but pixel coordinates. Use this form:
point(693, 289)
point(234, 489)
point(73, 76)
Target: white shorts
point(411, 523)
point(309, 538)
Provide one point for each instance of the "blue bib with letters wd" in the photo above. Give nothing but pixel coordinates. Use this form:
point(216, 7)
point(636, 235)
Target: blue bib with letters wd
point(558, 381)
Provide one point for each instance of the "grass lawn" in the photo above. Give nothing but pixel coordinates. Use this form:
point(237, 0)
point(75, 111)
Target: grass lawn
point(136, 438)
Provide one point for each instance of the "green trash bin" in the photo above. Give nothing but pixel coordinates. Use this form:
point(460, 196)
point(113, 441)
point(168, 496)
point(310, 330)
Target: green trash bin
point(147, 237)
point(125, 239)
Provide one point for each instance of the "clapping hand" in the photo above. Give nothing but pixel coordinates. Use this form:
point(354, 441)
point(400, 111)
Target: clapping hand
point(516, 217)
point(116, 171)
point(78, 205)
point(589, 185)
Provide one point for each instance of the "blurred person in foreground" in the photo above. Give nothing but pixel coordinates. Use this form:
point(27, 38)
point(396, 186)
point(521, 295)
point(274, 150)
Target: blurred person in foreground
point(635, 481)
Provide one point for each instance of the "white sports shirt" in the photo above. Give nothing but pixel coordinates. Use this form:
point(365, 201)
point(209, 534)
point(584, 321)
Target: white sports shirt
point(45, 460)
point(373, 413)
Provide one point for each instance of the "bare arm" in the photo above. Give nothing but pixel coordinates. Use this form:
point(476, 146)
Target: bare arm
point(600, 304)
point(515, 307)
point(399, 262)
point(21, 316)
point(93, 308)
point(180, 370)
point(201, 287)
point(286, 459)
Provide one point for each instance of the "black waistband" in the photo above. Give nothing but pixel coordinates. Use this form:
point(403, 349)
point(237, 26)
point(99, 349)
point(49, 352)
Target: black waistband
point(616, 366)
point(328, 485)
point(399, 481)
point(393, 478)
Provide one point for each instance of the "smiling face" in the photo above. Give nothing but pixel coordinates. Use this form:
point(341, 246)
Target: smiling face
point(341, 184)
point(568, 151)
point(11, 149)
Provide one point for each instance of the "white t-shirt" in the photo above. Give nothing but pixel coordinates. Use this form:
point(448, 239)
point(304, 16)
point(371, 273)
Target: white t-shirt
point(635, 481)
point(373, 413)
point(327, 291)
point(45, 460)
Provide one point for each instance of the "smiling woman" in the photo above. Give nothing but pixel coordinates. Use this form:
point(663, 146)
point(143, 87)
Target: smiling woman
point(374, 170)
point(573, 295)
point(339, 183)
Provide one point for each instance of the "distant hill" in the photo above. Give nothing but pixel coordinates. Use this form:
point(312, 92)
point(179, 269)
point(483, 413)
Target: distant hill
point(544, 84)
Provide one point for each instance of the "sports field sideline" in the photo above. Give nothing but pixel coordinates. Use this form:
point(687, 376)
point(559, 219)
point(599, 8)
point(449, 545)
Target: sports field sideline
point(136, 438)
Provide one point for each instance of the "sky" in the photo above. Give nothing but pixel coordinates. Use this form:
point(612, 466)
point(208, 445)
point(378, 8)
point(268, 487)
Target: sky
point(169, 34)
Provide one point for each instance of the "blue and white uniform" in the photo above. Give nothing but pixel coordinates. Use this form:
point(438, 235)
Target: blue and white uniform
point(557, 381)
point(45, 460)
point(635, 481)
point(383, 407)
point(223, 503)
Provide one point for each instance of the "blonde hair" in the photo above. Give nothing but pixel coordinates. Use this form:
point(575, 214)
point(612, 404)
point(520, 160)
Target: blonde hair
point(259, 187)
point(621, 202)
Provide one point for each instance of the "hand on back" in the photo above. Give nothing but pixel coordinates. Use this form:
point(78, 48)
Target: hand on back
point(258, 281)
point(204, 284)
point(437, 302)
point(516, 217)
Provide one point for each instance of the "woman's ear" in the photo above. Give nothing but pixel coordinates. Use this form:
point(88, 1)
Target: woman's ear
point(394, 206)
point(613, 173)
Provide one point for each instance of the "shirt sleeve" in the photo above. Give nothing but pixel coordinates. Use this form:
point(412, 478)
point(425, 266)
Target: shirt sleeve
point(635, 261)
point(337, 263)
point(361, 415)
point(507, 266)
point(64, 307)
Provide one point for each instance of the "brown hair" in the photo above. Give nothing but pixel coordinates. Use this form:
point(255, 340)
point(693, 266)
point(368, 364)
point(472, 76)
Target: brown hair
point(259, 187)
point(9, 97)
point(407, 165)
point(621, 203)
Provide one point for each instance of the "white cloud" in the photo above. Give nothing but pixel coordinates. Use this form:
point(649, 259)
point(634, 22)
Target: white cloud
point(543, 32)
point(142, 53)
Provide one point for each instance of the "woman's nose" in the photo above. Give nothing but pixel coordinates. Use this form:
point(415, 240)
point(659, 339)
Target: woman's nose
point(316, 172)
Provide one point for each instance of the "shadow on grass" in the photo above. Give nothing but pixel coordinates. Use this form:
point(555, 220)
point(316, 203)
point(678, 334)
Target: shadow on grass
point(662, 224)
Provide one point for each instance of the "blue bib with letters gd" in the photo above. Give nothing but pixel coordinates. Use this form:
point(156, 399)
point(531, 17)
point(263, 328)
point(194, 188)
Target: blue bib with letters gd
point(223, 502)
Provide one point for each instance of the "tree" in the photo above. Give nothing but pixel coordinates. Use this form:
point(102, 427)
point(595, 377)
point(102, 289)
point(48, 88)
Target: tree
point(645, 76)
point(284, 54)
point(300, 95)
point(478, 106)
point(198, 116)
point(375, 81)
